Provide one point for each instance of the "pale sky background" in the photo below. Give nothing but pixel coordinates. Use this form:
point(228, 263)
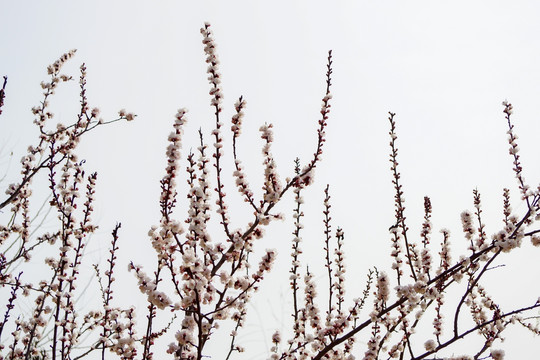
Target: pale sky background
point(443, 67)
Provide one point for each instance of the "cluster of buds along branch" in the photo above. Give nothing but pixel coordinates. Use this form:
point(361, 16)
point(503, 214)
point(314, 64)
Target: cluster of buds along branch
point(51, 326)
point(398, 322)
point(204, 277)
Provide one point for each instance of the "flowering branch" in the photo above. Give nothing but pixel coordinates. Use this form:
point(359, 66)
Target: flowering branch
point(203, 278)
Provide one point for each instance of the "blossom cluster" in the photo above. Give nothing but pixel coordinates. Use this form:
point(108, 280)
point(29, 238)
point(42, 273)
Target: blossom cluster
point(53, 326)
point(417, 297)
point(207, 264)
point(210, 275)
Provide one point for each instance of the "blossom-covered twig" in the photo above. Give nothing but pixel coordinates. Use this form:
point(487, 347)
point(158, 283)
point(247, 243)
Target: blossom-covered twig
point(205, 276)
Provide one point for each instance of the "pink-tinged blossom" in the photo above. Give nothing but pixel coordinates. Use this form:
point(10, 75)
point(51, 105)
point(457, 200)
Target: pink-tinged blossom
point(57, 65)
point(383, 291)
point(237, 118)
point(430, 345)
point(444, 254)
point(497, 354)
point(242, 183)
point(312, 311)
point(125, 115)
point(468, 228)
point(272, 186)
point(276, 338)
point(266, 264)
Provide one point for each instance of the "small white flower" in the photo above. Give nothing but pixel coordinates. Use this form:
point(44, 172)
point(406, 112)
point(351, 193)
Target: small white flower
point(430, 345)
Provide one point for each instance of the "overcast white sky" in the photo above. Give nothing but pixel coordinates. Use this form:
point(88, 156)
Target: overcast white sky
point(443, 67)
